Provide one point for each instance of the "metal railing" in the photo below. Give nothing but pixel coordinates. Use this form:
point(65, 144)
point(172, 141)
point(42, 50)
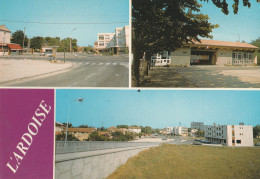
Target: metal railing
point(79, 146)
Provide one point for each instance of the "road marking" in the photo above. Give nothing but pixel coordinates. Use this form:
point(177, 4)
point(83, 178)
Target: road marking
point(86, 63)
point(80, 63)
point(93, 63)
point(114, 63)
point(100, 64)
point(107, 63)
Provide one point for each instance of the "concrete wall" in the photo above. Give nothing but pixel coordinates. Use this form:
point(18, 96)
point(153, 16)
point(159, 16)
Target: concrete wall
point(224, 57)
point(181, 57)
point(95, 164)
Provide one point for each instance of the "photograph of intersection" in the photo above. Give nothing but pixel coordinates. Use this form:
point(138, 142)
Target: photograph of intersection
point(157, 133)
point(64, 43)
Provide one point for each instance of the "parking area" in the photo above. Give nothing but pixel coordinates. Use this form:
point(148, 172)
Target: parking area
point(205, 76)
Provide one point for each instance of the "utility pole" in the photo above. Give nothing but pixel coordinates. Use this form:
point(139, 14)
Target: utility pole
point(23, 37)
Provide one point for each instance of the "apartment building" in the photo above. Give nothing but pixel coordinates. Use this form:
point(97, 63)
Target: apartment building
point(135, 129)
point(117, 42)
point(178, 131)
point(230, 135)
point(6, 47)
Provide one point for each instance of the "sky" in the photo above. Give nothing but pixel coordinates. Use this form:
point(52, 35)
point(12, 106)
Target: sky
point(65, 11)
point(244, 25)
point(157, 108)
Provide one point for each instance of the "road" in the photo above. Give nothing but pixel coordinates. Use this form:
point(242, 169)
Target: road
point(87, 71)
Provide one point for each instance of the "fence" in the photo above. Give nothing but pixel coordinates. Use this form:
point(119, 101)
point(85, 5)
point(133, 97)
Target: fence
point(79, 146)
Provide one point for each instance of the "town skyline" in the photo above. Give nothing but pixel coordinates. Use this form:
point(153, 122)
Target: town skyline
point(157, 109)
point(88, 18)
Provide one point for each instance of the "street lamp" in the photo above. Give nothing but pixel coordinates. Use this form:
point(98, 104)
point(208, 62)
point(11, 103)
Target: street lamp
point(80, 100)
point(70, 38)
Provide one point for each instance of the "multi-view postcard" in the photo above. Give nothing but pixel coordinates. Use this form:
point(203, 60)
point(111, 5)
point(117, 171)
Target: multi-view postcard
point(64, 43)
point(94, 89)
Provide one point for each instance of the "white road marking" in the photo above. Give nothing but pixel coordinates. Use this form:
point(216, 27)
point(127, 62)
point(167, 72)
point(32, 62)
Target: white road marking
point(86, 63)
point(93, 63)
point(107, 63)
point(100, 64)
point(114, 63)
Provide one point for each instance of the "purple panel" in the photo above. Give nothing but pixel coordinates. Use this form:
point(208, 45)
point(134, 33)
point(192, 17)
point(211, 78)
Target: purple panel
point(34, 159)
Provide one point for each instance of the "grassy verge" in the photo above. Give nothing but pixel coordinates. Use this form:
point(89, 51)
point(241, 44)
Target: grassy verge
point(187, 161)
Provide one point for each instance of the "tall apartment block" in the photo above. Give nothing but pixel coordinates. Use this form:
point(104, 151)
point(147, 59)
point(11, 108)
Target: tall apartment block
point(230, 135)
point(116, 43)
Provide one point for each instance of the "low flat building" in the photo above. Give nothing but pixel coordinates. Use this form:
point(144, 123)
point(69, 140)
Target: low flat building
point(134, 129)
point(210, 52)
point(230, 135)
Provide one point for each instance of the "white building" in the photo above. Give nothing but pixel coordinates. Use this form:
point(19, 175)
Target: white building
point(134, 129)
point(230, 135)
point(117, 42)
point(178, 131)
point(169, 130)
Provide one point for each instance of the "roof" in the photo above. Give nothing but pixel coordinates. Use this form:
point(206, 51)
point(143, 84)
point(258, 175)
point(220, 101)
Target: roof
point(86, 130)
point(205, 42)
point(14, 46)
point(134, 127)
point(4, 28)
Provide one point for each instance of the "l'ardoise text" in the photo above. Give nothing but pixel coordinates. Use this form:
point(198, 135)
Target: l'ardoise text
point(27, 138)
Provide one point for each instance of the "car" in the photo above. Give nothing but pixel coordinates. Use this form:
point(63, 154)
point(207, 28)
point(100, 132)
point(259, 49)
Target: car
point(164, 139)
point(195, 142)
point(206, 142)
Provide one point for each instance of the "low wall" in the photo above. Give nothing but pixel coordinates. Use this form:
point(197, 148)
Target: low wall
point(93, 164)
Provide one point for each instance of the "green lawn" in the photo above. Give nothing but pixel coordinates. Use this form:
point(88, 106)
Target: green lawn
point(187, 161)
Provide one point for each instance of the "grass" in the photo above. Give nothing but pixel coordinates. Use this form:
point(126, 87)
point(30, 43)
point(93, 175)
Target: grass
point(187, 161)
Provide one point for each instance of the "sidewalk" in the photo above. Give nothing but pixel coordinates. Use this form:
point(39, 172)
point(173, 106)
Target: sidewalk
point(17, 69)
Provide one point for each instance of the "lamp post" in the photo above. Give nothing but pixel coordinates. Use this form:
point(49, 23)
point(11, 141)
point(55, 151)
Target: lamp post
point(80, 100)
point(70, 39)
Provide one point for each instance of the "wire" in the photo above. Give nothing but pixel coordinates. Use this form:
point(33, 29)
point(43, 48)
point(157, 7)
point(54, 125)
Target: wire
point(64, 22)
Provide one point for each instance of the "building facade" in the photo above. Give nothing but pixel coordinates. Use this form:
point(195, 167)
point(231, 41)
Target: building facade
point(230, 135)
point(134, 129)
point(6, 47)
point(117, 42)
point(213, 52)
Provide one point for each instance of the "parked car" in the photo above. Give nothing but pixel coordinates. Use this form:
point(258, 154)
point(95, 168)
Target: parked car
point(195, 142)
point(206, 142)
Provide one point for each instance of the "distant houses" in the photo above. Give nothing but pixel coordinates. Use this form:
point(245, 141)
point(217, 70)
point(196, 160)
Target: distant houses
point(115, 43)
point(6, 47)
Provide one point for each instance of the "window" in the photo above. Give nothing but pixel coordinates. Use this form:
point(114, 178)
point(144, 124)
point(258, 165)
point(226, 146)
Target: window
point(224, 140)
point(239, 56)
point(107, 37)
point(101, 43)
point(101, 37)
point(238, 141)
point(233, 141)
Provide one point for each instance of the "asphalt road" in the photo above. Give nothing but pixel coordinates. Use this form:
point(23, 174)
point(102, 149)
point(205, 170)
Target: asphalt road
point(87, 71)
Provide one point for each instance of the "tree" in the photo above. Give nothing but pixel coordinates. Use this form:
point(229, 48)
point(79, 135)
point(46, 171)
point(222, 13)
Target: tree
point(69, 125)
point(52, 41)
point(18, 36)
point(256, 131)
point(199, 133)
point(94, 136)
point(122, 126)
point(165, 25)
point(62, 136)
point(146, 130)
point(37, 43)
point(65, 44)
point(83, 126)
point(257, 43)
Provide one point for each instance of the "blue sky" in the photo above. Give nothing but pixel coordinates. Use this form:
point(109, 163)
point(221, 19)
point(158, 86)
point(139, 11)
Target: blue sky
point(66, 11)
point(157, 108)
point(233, 27)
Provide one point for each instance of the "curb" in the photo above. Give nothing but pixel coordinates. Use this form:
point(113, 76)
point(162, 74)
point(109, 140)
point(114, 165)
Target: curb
point(9, 81)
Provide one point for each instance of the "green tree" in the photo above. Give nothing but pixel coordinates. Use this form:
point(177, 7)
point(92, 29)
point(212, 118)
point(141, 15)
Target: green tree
point(65, 44)
point(256, 131)
point(94, 136)
point(83, 126)
point(17, 37)
point(199, 133)
point(146, 130)
point(62, 136)
point(69, 125)
point(257, 43)
point(37, 43)
point(52, 41)
point(165, 25)
point(122, 126)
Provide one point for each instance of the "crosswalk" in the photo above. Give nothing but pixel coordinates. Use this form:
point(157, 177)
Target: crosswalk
point(103, 63)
